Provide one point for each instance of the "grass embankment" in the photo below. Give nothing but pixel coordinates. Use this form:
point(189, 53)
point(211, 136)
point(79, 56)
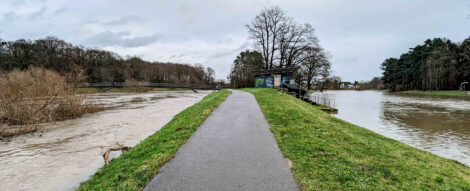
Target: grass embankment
point(135, 168)
point(331, 154)
point(125, 89)
point(437, 93)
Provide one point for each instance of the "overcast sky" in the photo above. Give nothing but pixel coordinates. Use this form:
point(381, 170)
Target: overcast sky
point(358, 34)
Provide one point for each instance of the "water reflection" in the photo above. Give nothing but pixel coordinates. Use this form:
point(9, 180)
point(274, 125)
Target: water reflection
point(438, 125)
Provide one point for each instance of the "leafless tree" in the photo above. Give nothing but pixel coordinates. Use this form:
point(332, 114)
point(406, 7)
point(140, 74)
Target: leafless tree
point(265, 30)
point(293, 41)
point(314, 64)
point(210, 73)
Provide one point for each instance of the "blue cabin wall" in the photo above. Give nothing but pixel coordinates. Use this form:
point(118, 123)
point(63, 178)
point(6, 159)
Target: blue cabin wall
point(264, 82)
point(268, 81)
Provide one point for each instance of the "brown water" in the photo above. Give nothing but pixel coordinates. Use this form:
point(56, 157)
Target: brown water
point(68, 152)
point(438, 125)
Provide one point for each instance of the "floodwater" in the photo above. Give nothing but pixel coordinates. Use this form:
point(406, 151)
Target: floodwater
point(69, 152)
point(435, 124)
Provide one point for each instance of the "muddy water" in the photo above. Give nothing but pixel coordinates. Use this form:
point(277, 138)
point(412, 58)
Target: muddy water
point(68, 152)
point(438, 125)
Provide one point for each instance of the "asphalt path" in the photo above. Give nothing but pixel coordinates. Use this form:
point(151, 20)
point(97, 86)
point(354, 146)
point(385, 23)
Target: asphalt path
point(232, 150)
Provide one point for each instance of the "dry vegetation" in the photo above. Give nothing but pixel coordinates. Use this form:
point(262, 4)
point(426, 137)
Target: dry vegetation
point(34, 96)
point(137, 86)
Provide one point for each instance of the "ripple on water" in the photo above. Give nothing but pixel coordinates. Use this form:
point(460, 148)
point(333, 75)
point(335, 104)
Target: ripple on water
point(68, 152)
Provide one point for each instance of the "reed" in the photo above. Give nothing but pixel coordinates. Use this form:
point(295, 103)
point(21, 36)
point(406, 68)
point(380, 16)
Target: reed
point(37, 95)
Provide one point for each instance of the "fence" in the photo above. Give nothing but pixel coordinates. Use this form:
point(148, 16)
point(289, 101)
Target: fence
point(323, 101)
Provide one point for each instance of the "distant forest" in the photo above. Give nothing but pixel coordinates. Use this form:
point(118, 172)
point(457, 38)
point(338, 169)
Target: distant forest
point(96, 65)
point(438, 64)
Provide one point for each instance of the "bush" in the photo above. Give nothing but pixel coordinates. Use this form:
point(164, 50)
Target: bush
point(35, 96)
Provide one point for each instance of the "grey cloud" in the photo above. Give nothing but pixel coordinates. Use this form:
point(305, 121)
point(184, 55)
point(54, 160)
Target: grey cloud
point(18, 3)
point(242, 47)
point(177, 56)
point(59, 11)
point(351, 59)
point(10, 16)
point(140, 41)
point(123, 20)
point(38, 14)
point(109, 38)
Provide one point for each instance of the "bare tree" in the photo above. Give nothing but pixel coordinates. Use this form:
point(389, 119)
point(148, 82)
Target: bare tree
point(315, 64)
point(265, 30)
point(293, 41)
point(210, 73)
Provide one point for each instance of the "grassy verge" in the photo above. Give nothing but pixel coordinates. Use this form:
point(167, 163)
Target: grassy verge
point(437, 93)
point(331, 154)
point(135, 168)
point(125, 89)
point(313, 91)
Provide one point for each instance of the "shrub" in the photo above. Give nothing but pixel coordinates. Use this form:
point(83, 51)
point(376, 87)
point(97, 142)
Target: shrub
point(35, 96)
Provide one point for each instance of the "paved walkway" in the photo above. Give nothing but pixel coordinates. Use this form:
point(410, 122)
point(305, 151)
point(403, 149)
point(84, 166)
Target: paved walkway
point(232, 150)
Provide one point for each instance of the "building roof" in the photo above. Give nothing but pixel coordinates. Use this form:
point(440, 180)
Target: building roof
point(287, 71)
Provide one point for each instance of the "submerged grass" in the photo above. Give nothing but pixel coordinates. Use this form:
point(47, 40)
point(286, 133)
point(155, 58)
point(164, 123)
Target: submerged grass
point(135, 168)
point(437, 93)
point(331, 154)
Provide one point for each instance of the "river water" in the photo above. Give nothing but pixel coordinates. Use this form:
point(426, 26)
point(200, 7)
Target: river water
point(435, 124)
point(70, 151)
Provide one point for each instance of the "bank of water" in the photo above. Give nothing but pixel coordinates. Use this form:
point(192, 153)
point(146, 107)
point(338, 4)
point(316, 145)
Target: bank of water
point(68, 152)
point(438, 125)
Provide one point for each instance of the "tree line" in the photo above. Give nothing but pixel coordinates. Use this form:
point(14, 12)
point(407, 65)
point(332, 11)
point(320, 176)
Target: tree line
point(280, 42)
point(94, 64)
point(438, 64)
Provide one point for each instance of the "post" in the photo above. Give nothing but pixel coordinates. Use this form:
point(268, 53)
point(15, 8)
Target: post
point(300, 92)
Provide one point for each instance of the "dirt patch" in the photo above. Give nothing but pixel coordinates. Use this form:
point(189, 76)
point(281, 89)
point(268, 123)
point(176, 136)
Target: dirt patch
point(289, 162)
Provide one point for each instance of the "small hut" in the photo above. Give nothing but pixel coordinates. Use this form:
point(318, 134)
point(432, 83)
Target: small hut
point(274, 78)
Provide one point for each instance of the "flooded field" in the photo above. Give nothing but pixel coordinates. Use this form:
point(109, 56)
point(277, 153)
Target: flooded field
point(68, 152)
point(438, 125)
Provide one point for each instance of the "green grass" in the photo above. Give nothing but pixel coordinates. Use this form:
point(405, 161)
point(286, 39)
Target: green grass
point(135, 168)
point(313, 91)
point(89, 90)
point(122, 90)
point(437, 93)
point(331, 154)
